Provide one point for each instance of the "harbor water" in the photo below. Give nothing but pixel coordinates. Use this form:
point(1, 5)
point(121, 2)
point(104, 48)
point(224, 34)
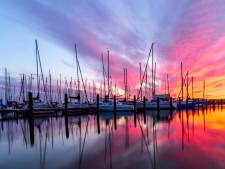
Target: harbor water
point(187, 139)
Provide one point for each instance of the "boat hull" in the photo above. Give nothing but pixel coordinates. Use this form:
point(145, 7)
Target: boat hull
point(154, 106)
point(119, 107)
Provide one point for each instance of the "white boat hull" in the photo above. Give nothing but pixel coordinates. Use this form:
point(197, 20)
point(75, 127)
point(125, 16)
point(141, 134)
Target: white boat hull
point(119, 107)
point(164, 105)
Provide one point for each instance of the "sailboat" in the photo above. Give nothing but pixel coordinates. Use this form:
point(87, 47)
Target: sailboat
point(159, 101)
point(188, 103)
point(201, 102)
point(38, 104)
point(78, 104)
point(108, 105)
point(165, 102)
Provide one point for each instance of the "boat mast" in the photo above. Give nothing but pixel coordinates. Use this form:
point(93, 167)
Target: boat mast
point(9, 88)
point(57, 87)
point(192, 87)
point(182, 90)
point(125, 83)
point(140, 78)
point(46, 83)
point(82, 80)
point(103, 74)
point(108, 71)
point(146, 82)
point(93, 91)
point(204, 89)
point(37, 71)
point(143, 77)
point(115, 89)
point(78, 79)
point(42, 75)
point(50, 86)
point(187, 86)
point(60, 87)
point(22, 96)
point(6, 86)
point(154, 79)
point(110, 84)
point(153, 92)
point(168, 85)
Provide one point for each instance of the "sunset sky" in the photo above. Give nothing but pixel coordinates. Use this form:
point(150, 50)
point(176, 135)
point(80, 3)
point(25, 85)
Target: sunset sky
point(188, 31)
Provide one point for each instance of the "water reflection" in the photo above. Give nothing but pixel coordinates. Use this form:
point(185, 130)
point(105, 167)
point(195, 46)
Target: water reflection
point(187, 139)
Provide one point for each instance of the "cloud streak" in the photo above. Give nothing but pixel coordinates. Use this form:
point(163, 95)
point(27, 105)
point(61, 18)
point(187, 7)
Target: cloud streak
point(188, 31)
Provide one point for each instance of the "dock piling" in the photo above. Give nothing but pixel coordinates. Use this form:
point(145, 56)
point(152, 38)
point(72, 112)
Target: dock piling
point(98, 122)
point(135, 113)
point(171, 107)
point(114, 108)
point(65, 100)
point(97, 102)
point(31, 118)
point(144, 104)
point(179, 104)
point(66, 115)
point(171, 103)
point(158, 108)
point(30, 103)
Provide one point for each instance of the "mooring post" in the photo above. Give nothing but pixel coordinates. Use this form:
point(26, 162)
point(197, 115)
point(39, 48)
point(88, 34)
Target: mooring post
point(98, 122)
point(97, 102)
point(114, 108)
point(198, 104)
point(30, 104)
point(179, 107)
point(221, 102)
point(158, 107)
point(31, 118)
point(56, 112)
point(135, 104)
point(66, 114)
point(17, 116)
point(65, 100)
point(171, 103)
point(187, 106)
point(135, 113)
point(114, 104)
point(179, 104)
point(171, 107)
point(214, 105)
point(144, 104)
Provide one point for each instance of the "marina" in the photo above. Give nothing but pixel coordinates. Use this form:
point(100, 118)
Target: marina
point(69, 97)
point(112, 84)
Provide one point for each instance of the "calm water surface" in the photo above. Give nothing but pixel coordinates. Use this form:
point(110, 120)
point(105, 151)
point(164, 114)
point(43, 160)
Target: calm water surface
point(193, 139)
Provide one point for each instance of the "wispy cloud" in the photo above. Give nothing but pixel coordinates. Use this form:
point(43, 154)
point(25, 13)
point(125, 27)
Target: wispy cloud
point(188, 31)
